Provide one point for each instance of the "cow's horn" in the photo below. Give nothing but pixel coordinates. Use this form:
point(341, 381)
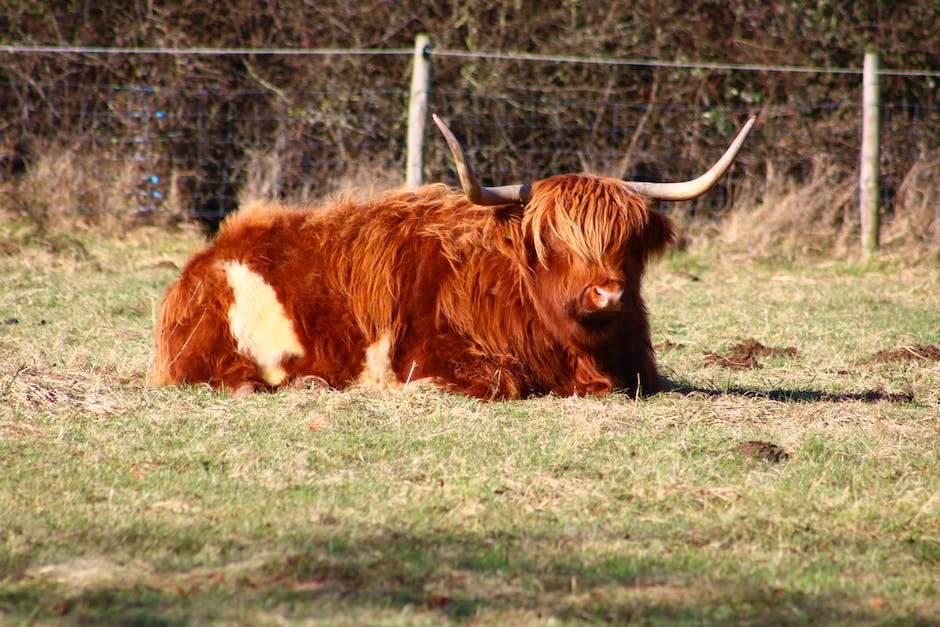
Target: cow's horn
point(696, 187)
point(468, 181)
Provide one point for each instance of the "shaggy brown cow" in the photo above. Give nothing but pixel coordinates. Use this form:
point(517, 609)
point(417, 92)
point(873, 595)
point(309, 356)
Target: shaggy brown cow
point(537, 293)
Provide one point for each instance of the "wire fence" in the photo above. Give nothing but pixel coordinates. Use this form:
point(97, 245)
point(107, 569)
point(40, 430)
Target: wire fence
point(151, 147)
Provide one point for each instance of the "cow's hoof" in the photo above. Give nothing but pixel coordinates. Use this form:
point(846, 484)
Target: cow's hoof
point(310, 382)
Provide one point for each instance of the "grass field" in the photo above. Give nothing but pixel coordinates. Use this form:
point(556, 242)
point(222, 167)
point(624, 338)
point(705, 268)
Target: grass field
point(801, 487)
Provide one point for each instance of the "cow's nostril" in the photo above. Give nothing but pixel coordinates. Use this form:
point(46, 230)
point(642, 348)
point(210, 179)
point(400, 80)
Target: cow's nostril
point(606, 299)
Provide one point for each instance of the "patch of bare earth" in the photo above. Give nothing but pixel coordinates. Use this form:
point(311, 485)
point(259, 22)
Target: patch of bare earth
point(668, 345)
point(917, 352)
point(765, 451)
point(744, 354)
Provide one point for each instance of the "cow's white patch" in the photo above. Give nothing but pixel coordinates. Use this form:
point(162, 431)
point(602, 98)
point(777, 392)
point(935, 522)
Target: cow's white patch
point(377, 369)
point(259, 323)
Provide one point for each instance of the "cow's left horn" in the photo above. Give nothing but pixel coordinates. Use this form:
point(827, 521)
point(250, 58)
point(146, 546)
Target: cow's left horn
point(696, 187)
point(468, 180)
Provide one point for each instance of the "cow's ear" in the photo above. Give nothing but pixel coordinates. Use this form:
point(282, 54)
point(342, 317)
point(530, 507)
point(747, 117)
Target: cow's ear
point(658, 235)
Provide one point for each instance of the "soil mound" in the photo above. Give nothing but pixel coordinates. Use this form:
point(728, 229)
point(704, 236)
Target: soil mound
point(767, 451)
point(744, 354)
point(906, 353)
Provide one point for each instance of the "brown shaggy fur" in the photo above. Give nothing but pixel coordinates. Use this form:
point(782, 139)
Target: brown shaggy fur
point(491, 302)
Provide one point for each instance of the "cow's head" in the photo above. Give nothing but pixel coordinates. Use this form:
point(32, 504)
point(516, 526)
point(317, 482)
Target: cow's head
point(586, 239)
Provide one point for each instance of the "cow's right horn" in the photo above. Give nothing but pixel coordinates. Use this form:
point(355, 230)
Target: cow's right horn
point(468, 181)
point(696, 187)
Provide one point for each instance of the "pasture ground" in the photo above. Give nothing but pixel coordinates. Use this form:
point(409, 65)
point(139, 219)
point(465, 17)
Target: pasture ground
point(782, 487)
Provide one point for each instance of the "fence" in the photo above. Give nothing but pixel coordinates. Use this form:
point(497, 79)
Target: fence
point(146, 145)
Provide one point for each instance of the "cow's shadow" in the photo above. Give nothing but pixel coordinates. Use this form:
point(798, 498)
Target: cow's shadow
point(783, 395)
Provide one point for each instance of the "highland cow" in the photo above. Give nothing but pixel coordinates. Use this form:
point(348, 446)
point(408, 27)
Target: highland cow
point(501, 292)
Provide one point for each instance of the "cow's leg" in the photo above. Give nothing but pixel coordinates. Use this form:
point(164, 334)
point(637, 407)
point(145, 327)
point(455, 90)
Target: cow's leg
point(452, 363)
point(650, 381)
point(635, 371)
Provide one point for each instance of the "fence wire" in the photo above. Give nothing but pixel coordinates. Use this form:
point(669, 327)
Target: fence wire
point(153, 147)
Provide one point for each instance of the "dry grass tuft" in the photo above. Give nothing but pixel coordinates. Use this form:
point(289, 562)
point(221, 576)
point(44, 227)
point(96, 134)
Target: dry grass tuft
point(69, 187)
point(916, 223)
point(72, 186)
point(263, 173)
point(785, 219)
point(790, 219)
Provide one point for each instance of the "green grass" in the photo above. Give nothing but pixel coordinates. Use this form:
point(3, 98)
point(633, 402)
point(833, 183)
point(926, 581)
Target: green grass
point(125, 504)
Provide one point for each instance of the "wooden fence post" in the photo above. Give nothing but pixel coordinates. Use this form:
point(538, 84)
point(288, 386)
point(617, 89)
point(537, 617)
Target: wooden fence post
point(418, 110)
point(871, 153)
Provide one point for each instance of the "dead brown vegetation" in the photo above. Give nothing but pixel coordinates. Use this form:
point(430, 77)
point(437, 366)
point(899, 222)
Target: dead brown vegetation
point(916, 219)
point(68, 186)
point(781, 216)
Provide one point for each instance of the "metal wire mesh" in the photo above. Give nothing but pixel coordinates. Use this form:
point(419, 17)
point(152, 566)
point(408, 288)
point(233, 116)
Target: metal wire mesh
point(196, 150)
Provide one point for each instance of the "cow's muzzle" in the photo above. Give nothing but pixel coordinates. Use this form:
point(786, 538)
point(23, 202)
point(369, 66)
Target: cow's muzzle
point(602, 299)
